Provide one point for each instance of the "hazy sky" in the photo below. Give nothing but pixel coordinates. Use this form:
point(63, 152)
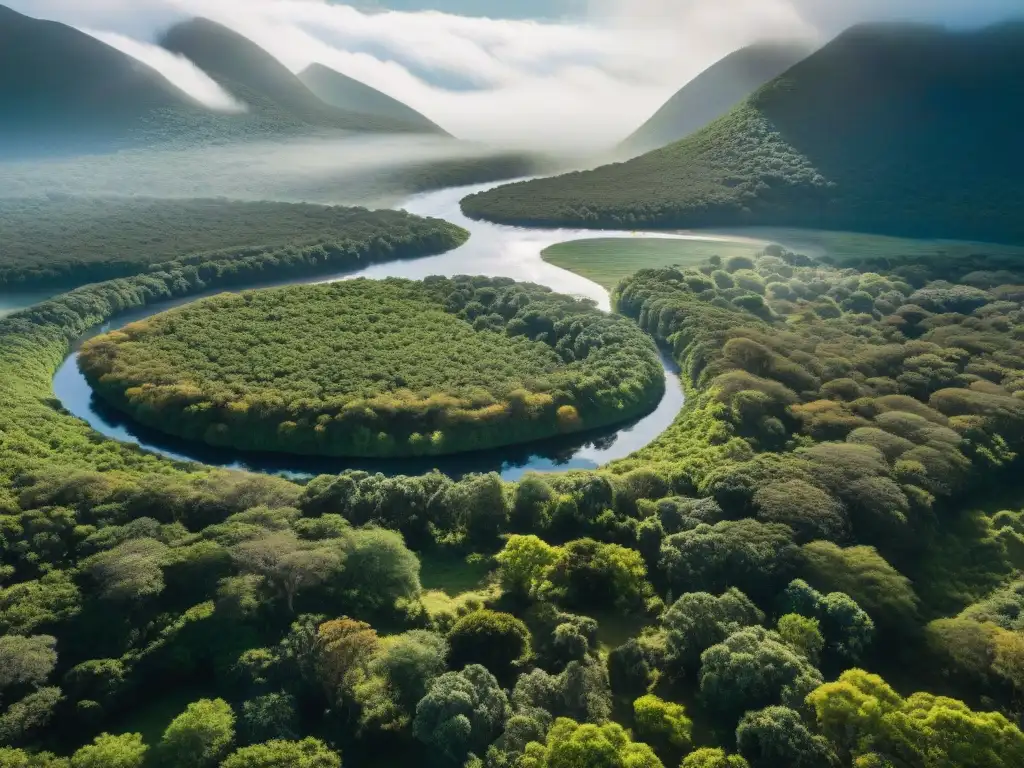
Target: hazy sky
point(576, 73)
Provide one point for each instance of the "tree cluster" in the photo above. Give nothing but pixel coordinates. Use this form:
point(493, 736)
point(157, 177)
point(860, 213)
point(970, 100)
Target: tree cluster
point(378, 368)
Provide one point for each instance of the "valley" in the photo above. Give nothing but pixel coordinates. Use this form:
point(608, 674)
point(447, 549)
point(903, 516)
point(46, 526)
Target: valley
point(330, 438)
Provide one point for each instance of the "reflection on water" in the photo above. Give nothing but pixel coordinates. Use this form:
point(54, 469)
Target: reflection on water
point(580, 451)
point(492, 250)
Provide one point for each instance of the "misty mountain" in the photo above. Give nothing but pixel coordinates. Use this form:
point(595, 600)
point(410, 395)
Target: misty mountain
point(896, 129)
point(264, 83)
point(714, 92)
point(349, 94)
point(62, 88)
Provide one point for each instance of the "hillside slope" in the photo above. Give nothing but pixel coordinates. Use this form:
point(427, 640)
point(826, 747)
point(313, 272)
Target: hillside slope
point(714, 92)
point(349, 94)
point(61, 87)
point(263, 82)
point(894, 129)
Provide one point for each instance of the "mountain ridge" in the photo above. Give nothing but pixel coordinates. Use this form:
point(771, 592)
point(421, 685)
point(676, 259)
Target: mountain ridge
point(252, 74)
point(713, 92)
point(53, 76)
point(340, 90)
point(889, 129)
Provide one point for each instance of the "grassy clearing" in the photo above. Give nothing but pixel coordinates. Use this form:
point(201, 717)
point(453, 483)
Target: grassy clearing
point(451, 580)
point(606, 260)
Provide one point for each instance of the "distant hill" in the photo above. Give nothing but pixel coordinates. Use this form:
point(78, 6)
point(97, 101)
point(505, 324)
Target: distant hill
point(714, 92)
point(349, 94)
point(61, 87)
point(263, 82)
point(63, 92)
point(894, 129)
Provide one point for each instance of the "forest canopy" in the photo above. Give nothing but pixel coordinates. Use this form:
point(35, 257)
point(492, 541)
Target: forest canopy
point(890, 129)
point(378, 368)
point(59, 241)
point(794, 573)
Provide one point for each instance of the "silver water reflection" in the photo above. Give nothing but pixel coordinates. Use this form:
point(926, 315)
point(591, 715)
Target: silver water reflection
point(492, 250)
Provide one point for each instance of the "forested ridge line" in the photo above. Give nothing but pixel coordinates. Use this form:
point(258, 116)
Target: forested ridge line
point(384, 368)
point(62, 241)
point(887, 129)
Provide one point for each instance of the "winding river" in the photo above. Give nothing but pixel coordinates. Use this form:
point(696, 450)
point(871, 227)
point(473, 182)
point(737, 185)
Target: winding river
point(492, 250)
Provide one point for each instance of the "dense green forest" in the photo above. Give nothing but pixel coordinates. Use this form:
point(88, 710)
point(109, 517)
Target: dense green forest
point(378, 368)
point(893, 129)
point(63, 241)
point(791, 575)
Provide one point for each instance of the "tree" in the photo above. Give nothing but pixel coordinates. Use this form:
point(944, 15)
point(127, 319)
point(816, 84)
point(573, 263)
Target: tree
point(803, 634)
point(585, 691)
point(498, 641)
point(19, 758)
point(345, 650)
point(753, 668)
point(524, 564)
point(130, 571)
point(698, 620)
point(865, 576)
point(530, 504)
point(591, 574)
point(663, 724)
point(26, 660)
point(410, 662)
point(920, 732)
point(519, 731)
point(271, 716)
point(28, 605)
point(379, 569)
point(572, 745)
point(287, 563)
point(97, 679)
point(1004, 607)
point(809, 511)
point(29, 715)
point(200, 736)
point(776, 736)
point(106, 751)
point(478, 505)
point(580, 691)
point(861, 714)
point(308, 753)
point(1009, 657)
point(846, 628)
point(629, 671)
point(710, 757)
point(462, 712)
point(964, 648)
point(757, 558)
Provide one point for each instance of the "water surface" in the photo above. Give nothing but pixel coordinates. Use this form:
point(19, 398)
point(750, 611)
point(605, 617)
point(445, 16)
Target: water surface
point(492, 250)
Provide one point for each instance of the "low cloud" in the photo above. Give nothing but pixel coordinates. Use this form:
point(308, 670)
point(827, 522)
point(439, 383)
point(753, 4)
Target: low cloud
point(580, 84)
point(181, 72)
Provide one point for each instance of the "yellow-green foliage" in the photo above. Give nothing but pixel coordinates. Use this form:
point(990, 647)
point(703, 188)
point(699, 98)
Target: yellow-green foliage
point(662, 722)
point(378, 368)
point(861, 715)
